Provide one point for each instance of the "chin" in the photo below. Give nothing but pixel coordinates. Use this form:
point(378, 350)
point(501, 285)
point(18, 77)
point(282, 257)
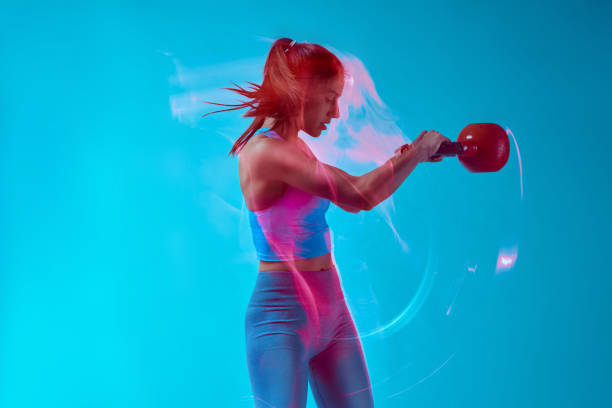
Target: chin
point(313, 133)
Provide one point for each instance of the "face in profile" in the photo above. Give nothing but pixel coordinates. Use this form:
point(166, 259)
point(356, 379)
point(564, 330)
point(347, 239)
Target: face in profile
point(321, 105)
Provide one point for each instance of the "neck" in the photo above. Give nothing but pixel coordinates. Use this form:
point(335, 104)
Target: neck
point(284, 130)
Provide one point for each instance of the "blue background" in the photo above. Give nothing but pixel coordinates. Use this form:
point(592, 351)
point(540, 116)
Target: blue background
point(121, 283)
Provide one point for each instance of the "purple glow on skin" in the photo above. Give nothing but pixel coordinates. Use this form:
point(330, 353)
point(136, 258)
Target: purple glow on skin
point(506, 259)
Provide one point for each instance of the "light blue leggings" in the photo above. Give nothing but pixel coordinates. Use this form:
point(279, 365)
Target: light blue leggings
point(299, 330)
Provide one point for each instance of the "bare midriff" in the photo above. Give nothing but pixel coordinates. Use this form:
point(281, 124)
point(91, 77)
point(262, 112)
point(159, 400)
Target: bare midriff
point(309, 264)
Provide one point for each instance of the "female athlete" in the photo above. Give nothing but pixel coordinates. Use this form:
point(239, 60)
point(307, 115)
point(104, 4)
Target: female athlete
point(298, 327)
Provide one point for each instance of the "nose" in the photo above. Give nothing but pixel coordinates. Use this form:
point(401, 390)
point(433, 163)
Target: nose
point(336, 113)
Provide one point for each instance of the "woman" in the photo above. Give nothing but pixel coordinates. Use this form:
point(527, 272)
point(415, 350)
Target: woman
point(298, 327)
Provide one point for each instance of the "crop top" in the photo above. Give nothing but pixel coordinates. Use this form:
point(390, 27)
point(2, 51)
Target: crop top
point(294, 227)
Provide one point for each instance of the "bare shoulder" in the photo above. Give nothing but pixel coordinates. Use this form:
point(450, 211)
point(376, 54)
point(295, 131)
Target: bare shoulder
point(260, 146)
point(261, 155)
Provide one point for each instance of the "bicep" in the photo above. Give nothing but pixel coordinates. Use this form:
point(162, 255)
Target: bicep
point(313, 176)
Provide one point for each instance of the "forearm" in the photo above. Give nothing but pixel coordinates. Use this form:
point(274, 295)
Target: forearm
point(378, 184)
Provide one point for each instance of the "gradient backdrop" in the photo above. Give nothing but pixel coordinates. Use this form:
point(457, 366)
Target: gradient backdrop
point(125, 261)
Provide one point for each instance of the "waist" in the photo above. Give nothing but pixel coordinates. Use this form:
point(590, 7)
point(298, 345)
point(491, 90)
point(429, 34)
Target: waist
point(287, 244)
point(321, 262)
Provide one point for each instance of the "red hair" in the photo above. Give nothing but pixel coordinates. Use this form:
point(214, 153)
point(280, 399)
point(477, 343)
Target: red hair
point(287, 75)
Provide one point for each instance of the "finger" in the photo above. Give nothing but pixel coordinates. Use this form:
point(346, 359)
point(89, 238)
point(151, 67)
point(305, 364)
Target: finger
point(402, 148)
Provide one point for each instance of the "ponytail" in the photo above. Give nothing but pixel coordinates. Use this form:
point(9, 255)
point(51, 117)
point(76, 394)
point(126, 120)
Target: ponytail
point(281, 94)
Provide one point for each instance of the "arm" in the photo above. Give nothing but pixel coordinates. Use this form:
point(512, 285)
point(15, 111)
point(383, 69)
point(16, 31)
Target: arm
point(277, 160)
point(349, 209)
point(381, 182)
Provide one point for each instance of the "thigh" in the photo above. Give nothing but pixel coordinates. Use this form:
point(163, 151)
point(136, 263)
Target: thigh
point(276, 344)
point(279, 377)
point(338, 375)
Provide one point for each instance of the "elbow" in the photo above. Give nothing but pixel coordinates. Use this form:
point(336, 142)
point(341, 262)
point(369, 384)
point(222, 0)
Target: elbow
point(353, 210)
point(363, 202)
point(362, 197)
point(355, 196)
point(368, 205)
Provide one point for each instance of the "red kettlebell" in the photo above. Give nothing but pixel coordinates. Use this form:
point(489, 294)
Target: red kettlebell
point(480, 147)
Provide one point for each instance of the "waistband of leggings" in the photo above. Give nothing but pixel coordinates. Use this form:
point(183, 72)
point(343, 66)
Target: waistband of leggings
point(331, 269)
